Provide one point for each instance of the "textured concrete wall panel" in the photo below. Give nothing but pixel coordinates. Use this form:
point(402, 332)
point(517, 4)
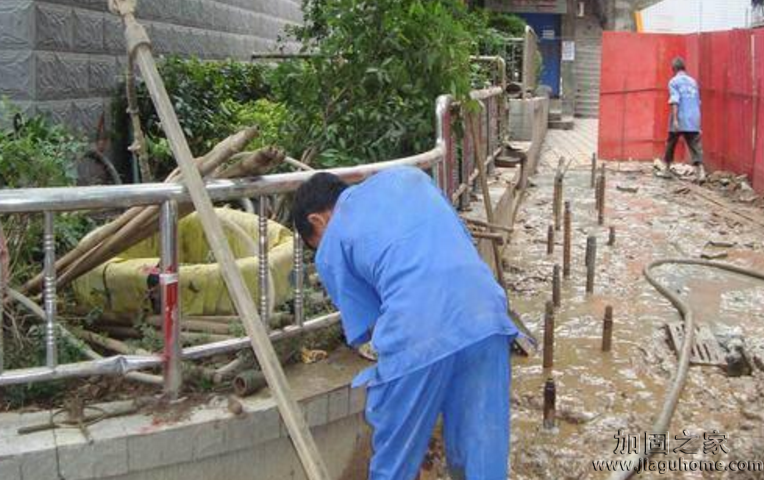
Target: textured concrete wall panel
point(73, 50)
point(54, 27)
point(16, 24)
point(88, 31)
point(17, 74)
point(61, 75)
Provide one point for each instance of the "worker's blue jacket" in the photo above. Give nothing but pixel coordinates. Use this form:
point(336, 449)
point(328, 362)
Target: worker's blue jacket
point(401, 267)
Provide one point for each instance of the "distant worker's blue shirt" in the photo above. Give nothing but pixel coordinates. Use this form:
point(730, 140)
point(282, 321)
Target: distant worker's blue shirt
point(683, 92)
point(400, 266)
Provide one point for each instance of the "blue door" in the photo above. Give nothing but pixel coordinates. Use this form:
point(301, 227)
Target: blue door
point(548, 28)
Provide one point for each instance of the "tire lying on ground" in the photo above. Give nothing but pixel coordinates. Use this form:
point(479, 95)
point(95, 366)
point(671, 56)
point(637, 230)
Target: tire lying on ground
point(122, 285)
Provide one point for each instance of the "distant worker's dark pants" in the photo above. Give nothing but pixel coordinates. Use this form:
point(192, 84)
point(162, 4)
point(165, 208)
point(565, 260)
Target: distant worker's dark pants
point(692, 139)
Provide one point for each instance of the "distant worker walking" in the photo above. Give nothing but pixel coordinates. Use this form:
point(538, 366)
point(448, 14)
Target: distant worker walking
point(684, 98)
point(403, 271)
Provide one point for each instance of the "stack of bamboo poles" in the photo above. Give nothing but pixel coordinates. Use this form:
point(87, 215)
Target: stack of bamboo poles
point(226, 160)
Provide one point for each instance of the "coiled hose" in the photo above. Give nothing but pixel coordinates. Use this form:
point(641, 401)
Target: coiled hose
point(680, 378)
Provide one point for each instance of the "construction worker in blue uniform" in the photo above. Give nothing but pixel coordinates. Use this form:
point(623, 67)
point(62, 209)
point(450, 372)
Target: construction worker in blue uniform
point(399, 264)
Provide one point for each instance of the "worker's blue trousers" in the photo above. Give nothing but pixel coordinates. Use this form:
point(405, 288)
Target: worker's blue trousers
point(471, 389)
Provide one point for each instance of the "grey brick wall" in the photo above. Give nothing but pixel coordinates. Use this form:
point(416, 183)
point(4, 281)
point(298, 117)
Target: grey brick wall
point(64, 57)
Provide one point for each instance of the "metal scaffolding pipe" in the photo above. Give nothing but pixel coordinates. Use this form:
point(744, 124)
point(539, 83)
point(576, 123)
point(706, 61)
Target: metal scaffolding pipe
point(170, 297)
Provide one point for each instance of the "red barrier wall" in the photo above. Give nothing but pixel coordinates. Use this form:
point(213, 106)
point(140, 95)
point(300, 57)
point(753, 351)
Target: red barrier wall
point(758, 81)
point(633, 98)
point(634, 110)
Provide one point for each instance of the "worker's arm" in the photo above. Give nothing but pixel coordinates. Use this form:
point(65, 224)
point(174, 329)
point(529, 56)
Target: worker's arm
point(357, 301)
point(674, 99)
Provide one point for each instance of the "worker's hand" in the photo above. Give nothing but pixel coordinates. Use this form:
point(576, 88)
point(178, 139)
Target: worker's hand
point(675, 123)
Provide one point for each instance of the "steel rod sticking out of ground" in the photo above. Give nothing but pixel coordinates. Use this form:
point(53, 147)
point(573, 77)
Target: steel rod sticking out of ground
point(591, 260)
point(550, 395)
point(550, 240)
point(566, 242)
point(607, 329)
point(602, 184)
point(597, 181)
point(556, 292)
point(557, 203)
point(611, 237)
point(594, 169)
point(549, 335)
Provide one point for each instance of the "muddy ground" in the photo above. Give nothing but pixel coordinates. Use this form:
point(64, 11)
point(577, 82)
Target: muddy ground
point(598, 393)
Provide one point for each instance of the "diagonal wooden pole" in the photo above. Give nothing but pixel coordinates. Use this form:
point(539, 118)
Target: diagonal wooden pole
point(483, 179)
point(139, 47)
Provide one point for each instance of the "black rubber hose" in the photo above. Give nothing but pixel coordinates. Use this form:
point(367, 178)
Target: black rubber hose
point(680, 377)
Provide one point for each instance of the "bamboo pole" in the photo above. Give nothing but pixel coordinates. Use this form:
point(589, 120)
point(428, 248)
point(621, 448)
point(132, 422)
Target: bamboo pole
point(483, 178)
point(484, 224)
point(87, 246)
point(139, 46)
point(145, 223)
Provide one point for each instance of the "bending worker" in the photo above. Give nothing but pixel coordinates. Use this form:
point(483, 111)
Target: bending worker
point(401, 267)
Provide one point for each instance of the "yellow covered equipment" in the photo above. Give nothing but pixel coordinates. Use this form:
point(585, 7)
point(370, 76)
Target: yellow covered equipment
point(121, 284)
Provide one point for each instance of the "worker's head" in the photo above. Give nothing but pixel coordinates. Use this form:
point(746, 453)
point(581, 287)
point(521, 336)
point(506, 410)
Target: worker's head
point(313, 206)
point(677, 65)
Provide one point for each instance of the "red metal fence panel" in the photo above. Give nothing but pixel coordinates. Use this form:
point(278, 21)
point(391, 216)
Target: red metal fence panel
point(758, 123)
point(633, 97)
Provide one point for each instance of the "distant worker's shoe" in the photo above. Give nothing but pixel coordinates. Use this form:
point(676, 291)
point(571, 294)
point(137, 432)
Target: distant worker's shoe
point(700, 173)
point(662, 170)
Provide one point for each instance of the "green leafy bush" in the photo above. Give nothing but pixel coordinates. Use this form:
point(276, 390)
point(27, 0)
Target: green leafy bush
point(207, 96)
point(368, 93)
point(35, 152)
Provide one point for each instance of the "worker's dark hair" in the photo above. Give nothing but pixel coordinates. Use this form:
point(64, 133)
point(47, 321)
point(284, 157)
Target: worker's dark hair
point(677, 64)
point(318, 194)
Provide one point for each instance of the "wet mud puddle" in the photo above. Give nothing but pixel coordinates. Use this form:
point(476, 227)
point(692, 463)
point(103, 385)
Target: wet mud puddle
point(601, 395)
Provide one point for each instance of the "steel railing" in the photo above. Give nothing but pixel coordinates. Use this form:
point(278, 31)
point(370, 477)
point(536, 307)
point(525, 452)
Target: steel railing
point(451, 162)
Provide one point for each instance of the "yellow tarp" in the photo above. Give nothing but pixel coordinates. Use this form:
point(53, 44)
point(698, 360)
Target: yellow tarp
point(120, 285)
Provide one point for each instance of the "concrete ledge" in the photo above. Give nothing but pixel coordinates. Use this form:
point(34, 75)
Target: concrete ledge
point(209, 442)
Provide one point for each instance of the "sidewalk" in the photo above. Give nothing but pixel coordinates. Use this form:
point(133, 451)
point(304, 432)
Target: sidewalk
point(578, 144)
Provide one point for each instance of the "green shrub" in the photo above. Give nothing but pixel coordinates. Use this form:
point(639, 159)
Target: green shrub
point(207, 96)
point(35, 152)
point(369, 92)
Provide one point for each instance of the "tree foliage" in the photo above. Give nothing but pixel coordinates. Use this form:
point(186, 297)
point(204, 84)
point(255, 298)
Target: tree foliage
point(378, 66)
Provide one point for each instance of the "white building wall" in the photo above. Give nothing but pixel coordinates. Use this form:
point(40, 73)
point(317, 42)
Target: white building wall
point(691, 16)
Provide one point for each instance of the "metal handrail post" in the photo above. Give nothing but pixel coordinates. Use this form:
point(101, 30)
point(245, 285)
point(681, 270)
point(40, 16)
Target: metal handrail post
point(299, 274)
point(170, 284)
point(262, 260)
point(49, 291)
point(2, 307)
point(445, 167)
